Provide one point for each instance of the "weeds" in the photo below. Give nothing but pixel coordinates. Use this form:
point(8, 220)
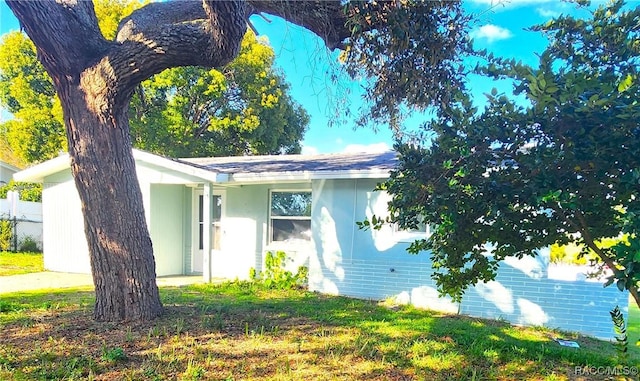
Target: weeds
point(248, 331)
point(113, 354)
point(179, 326)
point(193, 372)
point(620, 329)
point(275, 274)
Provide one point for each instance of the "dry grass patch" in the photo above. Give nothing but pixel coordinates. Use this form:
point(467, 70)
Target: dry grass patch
point(245, 332)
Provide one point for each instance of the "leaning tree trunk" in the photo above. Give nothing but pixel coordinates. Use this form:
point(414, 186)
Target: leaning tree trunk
point(103, 168)
point(95, 78)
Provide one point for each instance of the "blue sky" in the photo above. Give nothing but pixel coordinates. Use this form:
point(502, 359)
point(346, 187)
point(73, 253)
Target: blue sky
point(306, 63)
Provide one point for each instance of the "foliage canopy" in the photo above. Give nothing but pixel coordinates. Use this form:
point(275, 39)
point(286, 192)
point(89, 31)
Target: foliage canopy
point(244, 108)
point(28, 191)
point(36, 132)
point(512, 178)
point(408, 55)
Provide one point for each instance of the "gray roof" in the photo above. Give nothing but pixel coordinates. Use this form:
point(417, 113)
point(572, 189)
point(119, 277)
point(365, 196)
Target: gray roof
point(298, 163)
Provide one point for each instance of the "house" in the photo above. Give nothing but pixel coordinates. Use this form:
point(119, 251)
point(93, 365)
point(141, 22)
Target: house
point(26, 214)
point(219, 216)
point(6, 172)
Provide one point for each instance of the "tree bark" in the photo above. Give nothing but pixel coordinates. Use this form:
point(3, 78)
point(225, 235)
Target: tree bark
point(94, 79)
point(103, 168)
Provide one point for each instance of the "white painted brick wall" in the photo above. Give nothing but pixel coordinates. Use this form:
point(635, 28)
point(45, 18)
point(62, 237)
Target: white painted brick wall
point(576, 306)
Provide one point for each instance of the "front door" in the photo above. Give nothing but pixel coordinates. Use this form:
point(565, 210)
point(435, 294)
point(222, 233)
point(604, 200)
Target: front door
point(217, 206)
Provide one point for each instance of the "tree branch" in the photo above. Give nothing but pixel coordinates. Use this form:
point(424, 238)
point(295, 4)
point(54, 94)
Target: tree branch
point(183, 34)
point(633, 290)
point(65, 33)
point(588, 239)
point(144, 54)
point(151, 15)
point(326, 19)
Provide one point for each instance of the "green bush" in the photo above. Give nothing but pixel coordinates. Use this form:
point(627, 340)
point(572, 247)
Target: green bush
point(275, 275)
point(28, 191)
point(28, 245)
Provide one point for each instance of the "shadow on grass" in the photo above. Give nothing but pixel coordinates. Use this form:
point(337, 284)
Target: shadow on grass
point(244, 331)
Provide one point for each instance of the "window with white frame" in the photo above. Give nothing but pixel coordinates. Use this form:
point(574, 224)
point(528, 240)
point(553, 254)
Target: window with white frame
point(290, 216)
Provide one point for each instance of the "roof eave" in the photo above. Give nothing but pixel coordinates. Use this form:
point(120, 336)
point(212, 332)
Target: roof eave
point(38, 172)
point(268, 177)
point(179, 166)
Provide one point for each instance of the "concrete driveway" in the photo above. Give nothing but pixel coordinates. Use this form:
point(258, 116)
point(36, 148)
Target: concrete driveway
point(48, 280)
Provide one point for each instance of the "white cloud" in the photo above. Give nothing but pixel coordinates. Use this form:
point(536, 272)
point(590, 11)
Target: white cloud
point(370, 148)
point(309, 150)
point(548, 13)
point(491, 33)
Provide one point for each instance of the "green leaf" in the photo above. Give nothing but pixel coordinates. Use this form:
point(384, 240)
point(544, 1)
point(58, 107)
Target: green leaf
point(625, 84)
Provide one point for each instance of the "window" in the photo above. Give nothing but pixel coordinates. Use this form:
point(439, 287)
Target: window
point(290, 216)
point(423, 231)
point(216, 231)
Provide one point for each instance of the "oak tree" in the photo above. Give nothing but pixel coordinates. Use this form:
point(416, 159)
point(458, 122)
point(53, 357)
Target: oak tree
point(244, 108)
point(562, 166)
point(36, 131)
point(95, 78)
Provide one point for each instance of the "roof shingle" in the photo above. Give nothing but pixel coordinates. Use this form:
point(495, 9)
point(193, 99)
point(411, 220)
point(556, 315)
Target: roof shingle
point(298, 163)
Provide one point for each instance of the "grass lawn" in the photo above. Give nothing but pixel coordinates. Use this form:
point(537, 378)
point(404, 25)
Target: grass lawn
point(20, 263)
point(242, 331)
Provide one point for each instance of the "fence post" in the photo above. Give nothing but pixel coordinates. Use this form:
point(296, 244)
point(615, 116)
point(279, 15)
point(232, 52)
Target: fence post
point(15, 234)
point(13, 197)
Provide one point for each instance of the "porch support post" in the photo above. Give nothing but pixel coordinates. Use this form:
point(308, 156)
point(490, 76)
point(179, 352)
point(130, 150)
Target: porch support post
point(206, 233)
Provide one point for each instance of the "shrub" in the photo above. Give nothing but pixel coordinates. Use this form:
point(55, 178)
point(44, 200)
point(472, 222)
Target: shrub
point(577, 255)
point(275, 275)
point(28, 191)
point(28, 245)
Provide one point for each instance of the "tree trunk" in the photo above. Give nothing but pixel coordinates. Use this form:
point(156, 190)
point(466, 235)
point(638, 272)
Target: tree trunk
point(103, 167)
point(94, 79)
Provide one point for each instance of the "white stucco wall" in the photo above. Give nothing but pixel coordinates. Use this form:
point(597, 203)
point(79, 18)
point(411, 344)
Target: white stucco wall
point(6, 172)
point(166, 219)
point(164, 196)
point(245, 231)
point(64, 243)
